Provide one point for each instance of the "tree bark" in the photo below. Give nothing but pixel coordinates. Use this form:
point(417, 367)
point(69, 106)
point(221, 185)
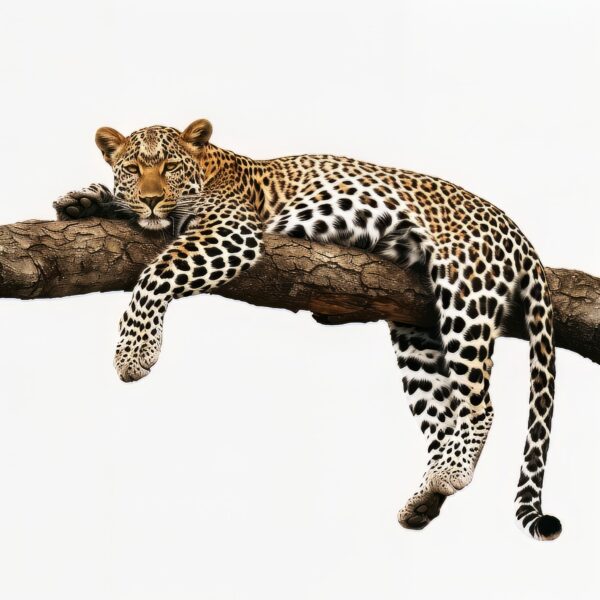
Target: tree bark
point(49, 259)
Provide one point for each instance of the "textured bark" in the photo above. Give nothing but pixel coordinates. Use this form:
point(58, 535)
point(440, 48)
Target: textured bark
point(48, 259)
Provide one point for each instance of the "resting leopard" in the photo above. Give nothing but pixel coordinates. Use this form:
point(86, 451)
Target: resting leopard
point(219, 203)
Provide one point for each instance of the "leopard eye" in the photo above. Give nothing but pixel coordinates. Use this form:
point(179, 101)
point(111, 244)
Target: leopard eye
point(172, 166)
point(133, 169)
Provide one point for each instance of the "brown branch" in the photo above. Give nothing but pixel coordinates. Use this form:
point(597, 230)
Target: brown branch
point(48, 259)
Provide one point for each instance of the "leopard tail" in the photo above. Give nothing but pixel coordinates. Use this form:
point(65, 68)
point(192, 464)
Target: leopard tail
point(537, 306)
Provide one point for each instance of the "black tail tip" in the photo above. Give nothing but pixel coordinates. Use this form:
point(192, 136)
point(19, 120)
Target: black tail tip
point(547, 527)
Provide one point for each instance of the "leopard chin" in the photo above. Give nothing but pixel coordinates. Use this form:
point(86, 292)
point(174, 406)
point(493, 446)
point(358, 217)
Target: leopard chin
point(154, 223)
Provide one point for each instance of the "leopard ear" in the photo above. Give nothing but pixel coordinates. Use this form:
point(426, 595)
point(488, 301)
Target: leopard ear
point(198, 133)
point(110, 142)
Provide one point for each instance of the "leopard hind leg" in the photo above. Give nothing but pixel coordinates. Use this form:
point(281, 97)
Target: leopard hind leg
point(425, 378)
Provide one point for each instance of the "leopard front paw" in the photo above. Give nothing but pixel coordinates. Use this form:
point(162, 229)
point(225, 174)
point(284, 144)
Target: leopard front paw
point(88, 202)
point(134, 362)
point(136, 354)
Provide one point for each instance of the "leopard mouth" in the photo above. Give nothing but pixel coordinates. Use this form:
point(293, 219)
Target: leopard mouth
point(154, 223)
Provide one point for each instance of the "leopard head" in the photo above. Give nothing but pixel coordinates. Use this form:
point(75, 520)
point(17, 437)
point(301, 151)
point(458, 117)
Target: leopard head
point(155, 166)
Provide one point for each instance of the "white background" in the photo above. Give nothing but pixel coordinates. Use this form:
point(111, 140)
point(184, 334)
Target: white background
point(265, 457)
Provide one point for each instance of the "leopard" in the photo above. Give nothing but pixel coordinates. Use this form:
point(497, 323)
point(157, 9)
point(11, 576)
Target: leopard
point(217, 205)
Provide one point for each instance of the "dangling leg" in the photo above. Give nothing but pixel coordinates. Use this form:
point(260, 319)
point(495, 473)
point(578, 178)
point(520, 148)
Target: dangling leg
point(461, 450)
point(425, 380)
point(470, 303)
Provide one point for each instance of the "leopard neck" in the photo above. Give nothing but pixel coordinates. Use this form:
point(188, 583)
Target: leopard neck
point(224, 167)
point(217, 161)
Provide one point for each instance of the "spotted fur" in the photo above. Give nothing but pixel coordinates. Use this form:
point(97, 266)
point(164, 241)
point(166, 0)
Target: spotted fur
point(220, 203)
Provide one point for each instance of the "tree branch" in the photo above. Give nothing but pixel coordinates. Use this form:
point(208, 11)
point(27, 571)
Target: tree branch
point(49, 259)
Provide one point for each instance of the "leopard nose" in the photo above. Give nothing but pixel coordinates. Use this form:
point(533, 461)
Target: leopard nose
point(151, 201)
